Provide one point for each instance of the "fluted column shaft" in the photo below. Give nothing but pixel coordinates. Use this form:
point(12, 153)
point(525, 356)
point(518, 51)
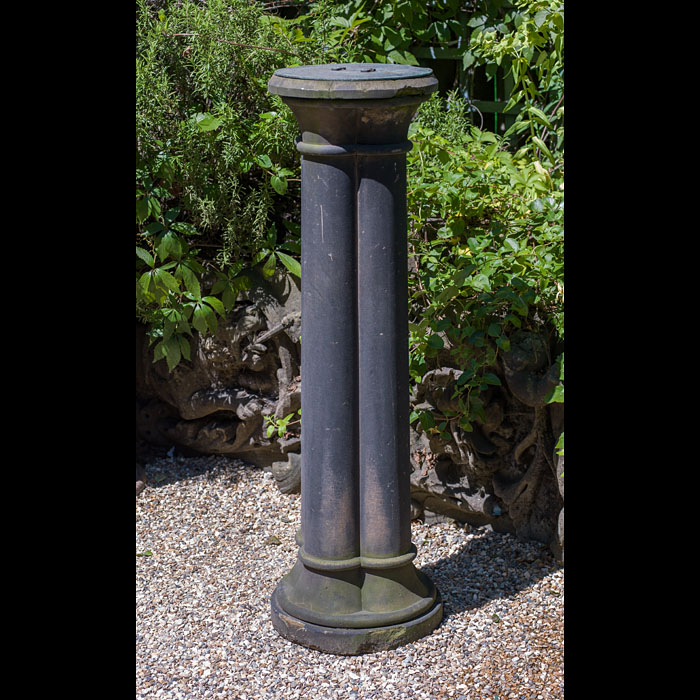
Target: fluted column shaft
point(354, 587)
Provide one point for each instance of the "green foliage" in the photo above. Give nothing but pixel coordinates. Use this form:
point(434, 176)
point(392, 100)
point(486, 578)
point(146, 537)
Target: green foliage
point(529, 42)
point(388, 31)
point(328, 32)
point(217, 172)
point(486, 232)
point(279, 426)
point(486, 212)
point(214, 160)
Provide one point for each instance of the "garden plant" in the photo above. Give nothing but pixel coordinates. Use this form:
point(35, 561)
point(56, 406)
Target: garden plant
point(217, 173)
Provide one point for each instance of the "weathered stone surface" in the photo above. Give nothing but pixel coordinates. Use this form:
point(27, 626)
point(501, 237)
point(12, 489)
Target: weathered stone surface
point(504, 473)
point(216, 403)
point(140, 479)
point(354, 641)
point(288, 473)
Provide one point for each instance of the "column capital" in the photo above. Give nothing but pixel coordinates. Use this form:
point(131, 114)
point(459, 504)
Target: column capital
point(354, 103)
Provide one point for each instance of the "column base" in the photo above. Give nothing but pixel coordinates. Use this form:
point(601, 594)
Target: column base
point(353, 641)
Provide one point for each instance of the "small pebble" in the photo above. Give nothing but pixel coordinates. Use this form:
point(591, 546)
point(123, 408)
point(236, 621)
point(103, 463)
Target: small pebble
point(219, 535)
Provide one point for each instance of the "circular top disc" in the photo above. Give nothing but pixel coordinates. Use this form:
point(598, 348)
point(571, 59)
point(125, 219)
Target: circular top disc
point(354, 71)
point(352, 81)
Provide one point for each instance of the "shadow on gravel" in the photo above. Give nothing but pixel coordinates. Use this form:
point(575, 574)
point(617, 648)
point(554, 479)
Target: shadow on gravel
point(487, 568)
point(162, 466)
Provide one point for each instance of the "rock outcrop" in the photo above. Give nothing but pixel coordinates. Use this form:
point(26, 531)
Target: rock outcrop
point(217, 402)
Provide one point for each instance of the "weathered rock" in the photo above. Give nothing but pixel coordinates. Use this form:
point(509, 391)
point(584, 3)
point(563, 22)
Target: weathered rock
point(140, 479)
point(217, 402)
point(288, 473)
point(501, 473)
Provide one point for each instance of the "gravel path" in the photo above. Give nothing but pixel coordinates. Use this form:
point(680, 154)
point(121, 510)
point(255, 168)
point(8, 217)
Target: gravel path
point(213, 537)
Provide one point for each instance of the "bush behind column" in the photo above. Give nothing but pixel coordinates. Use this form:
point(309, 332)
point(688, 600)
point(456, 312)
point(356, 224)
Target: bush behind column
point(217, 189)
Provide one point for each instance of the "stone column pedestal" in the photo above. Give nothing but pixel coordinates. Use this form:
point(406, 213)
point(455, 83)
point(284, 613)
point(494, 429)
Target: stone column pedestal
point(354, 587)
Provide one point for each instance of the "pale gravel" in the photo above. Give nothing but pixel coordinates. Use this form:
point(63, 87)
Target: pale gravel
point(203, 625)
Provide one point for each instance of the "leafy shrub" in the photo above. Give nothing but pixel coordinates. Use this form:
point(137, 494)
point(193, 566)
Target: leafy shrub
point(487, 237)
point(530, 43)
point(214, 159)
point(217, 172)
point(386, 31)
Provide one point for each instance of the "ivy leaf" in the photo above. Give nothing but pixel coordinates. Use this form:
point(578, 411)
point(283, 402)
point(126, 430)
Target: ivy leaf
point(290, 263)
point(158, 352)
point(165, 280)
point(204, 318)
point(169, 243)
point(279, 184)
point(184, 346)
point(427, 420)
point(557, 394)
point(172, 353)
point(263, 161)
point(210, 318)
point(142, 209)
point(198, 320)
point(216, 304)
point(144, 284)
point(207, 122)
point(145, 256)
point(229, 296)
point(269, 266)
point(168, 329)
point(191, 281)
point(170, 349)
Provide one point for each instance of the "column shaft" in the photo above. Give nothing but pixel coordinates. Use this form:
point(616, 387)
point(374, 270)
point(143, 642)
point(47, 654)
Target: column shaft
point(383, 356)
point(330, 517)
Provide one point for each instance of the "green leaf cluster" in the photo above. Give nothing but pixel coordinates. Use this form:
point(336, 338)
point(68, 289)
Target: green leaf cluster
point(215, 160)
point(280, 425)
point(486, 237)
point(217, 172)
point(528, 42)
point(388, 31)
